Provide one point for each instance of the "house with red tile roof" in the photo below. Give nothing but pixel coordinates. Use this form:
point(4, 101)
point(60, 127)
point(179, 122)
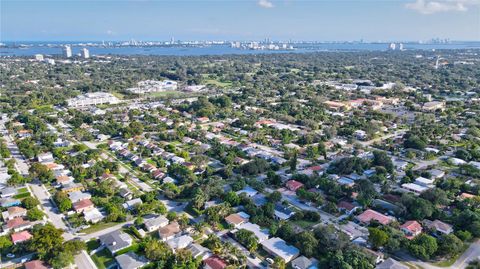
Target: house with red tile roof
point(83, 205)
point(35, 264)
point(293, 185)
point(369, 215)
point(21, 237)
point(214, 262)
point(411, 228)
point(17, 225)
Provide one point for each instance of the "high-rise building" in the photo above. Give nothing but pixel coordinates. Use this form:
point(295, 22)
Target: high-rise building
point(85, 53)
point(67, 51)
point(39, 57)
point(400, 46)
point(392, 46)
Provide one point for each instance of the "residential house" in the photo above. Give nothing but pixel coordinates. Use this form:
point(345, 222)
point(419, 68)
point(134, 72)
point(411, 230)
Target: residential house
point(439, 226)
point(411, 228)
point(8, 192)
point(130, 204)
point(21, 237)
point(279, 248)
point(214, 262)
point(169, 231)
point(199, 251)
point(93, 215)
point(8, 202)
point(235, 219)
point(282, 213)
point(348, 208)
point(368, 215)
point(83, 205)
point(72, 187)
point(261, 234)
point(293, 185)
point(17, 225)
point(35, 264)
point(179, 242)
point(303, 262)
point(154, 224)
point(79, 196)
point(14, 212)
point(116, 241)
point(130, 260)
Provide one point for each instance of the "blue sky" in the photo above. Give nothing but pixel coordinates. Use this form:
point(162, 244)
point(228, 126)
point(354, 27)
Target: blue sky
point(322, 20)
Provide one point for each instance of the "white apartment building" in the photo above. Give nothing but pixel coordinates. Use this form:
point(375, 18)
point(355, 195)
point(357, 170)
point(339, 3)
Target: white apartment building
point(91, 99)
point(67, 51)
point(85, 53)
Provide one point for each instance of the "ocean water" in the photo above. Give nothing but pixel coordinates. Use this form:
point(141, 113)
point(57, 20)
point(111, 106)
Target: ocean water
point(56, 49)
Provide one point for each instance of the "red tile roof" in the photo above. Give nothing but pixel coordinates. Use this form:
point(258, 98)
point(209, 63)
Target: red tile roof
point(82, 204)
point(215, 262)
point(413, 226)
point(294, 185)
point(36, 264)
point(16, 222)
point(370, 215)
point(21, 236)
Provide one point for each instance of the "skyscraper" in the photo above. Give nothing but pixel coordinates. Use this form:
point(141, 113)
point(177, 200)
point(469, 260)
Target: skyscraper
point(85, 53)
point(67, 51)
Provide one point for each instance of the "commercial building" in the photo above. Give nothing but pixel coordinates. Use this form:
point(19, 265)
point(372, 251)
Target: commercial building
point(91, 99)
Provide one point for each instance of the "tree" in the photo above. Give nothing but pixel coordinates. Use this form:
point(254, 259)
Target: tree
point(156, 250)
point(377, 238)
point(293, 162)
point(366, 192)
point(40, 171)
point(61, 260)
point(45, 240)
point(278, 263)
point(34, 214)
point(307, 243)
point(30, 202)
point(232, 198)
point(423, 246)
point(247, 238)
point(322, 149)
point(380, 158)
point(275, 197)
point(5, 244)
point(449, 245)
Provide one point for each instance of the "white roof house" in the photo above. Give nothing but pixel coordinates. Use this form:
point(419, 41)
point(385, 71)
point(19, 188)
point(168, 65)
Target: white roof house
point(414, 187)
point(93, 215)
point(277, 247)
point(425, 181)
point(180, 242)
point(261, 234)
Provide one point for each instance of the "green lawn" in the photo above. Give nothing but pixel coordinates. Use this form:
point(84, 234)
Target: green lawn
point(303, 223)
point(23, 190)
point(103, 259)
point(217, 83)
point(22, 195)
point(134, 248)
point(97, 227)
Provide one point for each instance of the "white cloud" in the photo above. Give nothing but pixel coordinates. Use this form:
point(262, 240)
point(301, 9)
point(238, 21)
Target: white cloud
point(265, 3)
point(431, 7)
point(110, 32)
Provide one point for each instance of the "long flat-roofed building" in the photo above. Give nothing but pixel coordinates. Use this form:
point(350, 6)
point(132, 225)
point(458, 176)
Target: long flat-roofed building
point(92, 99)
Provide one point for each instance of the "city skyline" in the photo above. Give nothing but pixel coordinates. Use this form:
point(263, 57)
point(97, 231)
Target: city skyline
point(283, 20)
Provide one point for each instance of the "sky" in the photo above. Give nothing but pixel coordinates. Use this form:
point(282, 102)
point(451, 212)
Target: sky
point(313, 20)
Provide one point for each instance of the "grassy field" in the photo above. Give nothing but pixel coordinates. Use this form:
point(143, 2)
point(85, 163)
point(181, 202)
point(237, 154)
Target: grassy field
point(217, 83)
point(97, 227)
point(22, 195)
point(103, 259)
